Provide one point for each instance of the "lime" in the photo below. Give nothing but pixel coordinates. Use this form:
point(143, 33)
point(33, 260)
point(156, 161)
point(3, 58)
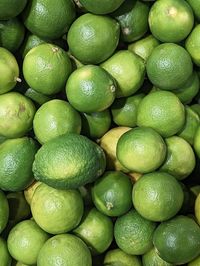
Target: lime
point(133, 19)
point(58, 164)
point(4, 211)
point(128, 69)
point(195, 4)
point(195, 262)
point(56, 211)
point(144, 46)
point(117, 257)
point(197, 142)
point(157, 196)
point(141, 150)
point(65, 249)
point(171, 20)
point(47, 19)
point(197, 208)
point(192, 45)
point(177, 241)
point(11, 34)
point(25, 241)
point(29, 191)
point(93, 38)
point(101, 6)
point(180, 160)
point(16, 159)
point(46, 68)
point(37, 97)
point(11, 8)
point(133, 233)
point(96, 230)
point(9, 71)
point(196, 108)
point(48, 120)
point(124, 110)
point(4, 254)
point(162, 111)
point(90, 89)
point(111, 193)
point(96, 124)
point(169, 66)
point(151, 258)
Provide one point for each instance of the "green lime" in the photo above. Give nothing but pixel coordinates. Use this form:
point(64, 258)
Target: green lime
point(11, 34)
point(191, 125)
point(25, 241)
point(4, 212)
point(133, 19)
point(162, 111)
point(196, 144)
point(42, 71)
point(192, 45)
point(56, 211)
point(37, 97)
point(180, 160)
point(141, 150)
point(157, 196)
point(96, 230)
point(96, 124)
point(177, 241)
point(29, 191)
point(16, 159)
point(48, 19)
point(196, 108)
point(124, 110)
point(90, 89)
point(48, 120)
point(171, 20)
point(129, 71)
point(4, 254)
point(9, 71)
point(169, 66)
point(66, 249)
point(133, 233)
point(101, 6)
point(144, 46)
point(93, 38)
point(151, 258)
point(11, 8)
point(197, 208)
point(112, 192)
point(58, 164)
point(195, 4)
point(195, 262)
point(117, 257)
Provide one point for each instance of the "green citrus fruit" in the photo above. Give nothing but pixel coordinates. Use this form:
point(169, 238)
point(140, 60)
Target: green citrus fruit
point(196, 144)
point(177, 241)
point(4, 211)
point(128, 69)
point(16, 159)
point(46, 68)
point(101, 6)
point(195, 4)
point(66, 249)
point(112, 192)
point(4, 253)
point(197, 208)
point(29, 191)
point(157, 196)
point(58, 164)
point(93, 38)
point(196, 108)
point(180, 160)
point(195, 262)
point(25, 241)
point(151, 258)
point(171, 20)
point(37, 97)
point(90, 89)
point(192, 45)
point(11, 8)
point(162, 111)
point(141, 150)
point(47, 19)
point(169, 66)
point(133, 233)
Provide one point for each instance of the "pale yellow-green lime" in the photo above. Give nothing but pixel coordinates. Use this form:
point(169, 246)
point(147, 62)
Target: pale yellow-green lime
point(192, 45)
point(197, 208)
point(151, 258)
point(29, 191)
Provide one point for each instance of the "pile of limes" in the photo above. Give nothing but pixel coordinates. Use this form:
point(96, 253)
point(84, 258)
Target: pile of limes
point(99, 132)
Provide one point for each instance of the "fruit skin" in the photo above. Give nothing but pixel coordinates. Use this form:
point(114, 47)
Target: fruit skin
point(141, 150)
point(197, 209)
point(11, 8)
point(157, 196)
point(169, 237)
point(195, 7)
point(101, 7)
point(133, 233)
point(16, 158)
point(169, 66)
point(151, 258)
point(59, 165)
point(171, 20)
point(196, 144)
point(93, 38)
point(66, 248)
point(4, 211)
point(112, 192)
point(46, 68)
point(192, 45)
point(38, 14)
point(4, 254)
point(162, 111)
